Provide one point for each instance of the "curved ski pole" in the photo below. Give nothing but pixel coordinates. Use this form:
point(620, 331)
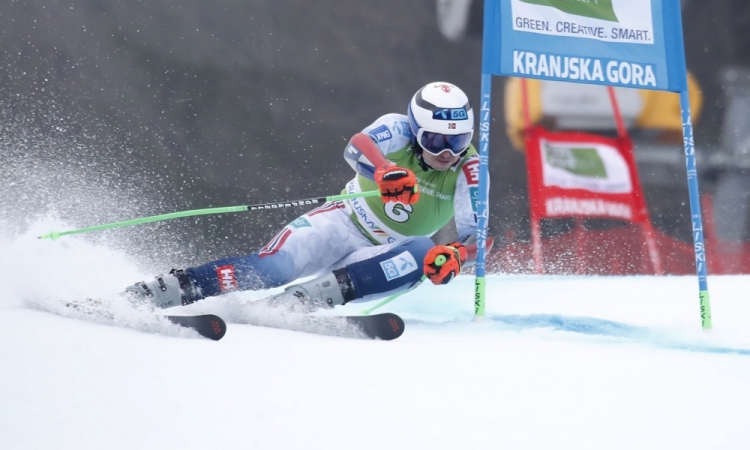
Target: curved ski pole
point(200, 212)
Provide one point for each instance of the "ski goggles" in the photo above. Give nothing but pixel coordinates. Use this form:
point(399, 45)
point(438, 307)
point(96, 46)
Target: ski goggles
point(437, 143)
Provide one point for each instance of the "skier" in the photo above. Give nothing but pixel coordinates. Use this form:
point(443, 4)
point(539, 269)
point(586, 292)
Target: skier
point(426, 169)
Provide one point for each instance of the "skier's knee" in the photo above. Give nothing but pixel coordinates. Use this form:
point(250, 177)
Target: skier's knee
point(418, 247)
point(397, 269)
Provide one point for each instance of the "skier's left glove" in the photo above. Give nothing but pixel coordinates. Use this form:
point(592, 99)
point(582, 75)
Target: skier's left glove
point(443, 262)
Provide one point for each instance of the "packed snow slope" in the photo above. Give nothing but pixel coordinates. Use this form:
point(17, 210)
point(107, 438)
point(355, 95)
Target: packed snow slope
point(557, 363)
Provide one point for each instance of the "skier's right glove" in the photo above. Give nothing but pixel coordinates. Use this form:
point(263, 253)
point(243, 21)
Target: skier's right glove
point(443, 262)
point(397, 184)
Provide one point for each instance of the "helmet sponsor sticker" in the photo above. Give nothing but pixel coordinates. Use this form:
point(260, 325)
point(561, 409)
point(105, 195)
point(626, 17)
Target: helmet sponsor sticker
point(450, 114)
point(398, 266)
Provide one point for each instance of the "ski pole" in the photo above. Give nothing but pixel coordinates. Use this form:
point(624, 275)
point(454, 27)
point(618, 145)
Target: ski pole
point(387, 300)
point(200, 212)
point(439, 261)
point(471, 251)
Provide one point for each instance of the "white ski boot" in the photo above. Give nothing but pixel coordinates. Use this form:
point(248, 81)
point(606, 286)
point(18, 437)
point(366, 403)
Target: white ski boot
point(323, 292)
point(165, 291)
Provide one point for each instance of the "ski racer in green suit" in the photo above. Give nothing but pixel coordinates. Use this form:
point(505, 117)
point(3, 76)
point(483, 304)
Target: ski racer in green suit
point(426, 169)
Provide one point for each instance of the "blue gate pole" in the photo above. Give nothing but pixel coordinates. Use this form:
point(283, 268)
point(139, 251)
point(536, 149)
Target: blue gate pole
point(480, 299)
point(695, 210)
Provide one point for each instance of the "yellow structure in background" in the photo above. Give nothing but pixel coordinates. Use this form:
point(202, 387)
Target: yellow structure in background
point(654, 110)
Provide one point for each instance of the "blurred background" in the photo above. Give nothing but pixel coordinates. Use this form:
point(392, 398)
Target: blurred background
point(111, 110)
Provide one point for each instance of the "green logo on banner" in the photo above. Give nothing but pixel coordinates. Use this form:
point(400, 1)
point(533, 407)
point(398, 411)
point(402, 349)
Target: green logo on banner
point(596, 9)
point(585, 162)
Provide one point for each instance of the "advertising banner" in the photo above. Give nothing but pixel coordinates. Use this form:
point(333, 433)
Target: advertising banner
point(629, 43)
point(595, 167)
point(573, 174)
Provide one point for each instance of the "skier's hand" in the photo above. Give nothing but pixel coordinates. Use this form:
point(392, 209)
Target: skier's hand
point(443, 262)
point(397, 184)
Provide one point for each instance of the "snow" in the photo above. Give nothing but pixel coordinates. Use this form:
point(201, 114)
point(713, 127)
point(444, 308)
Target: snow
point(557, 363)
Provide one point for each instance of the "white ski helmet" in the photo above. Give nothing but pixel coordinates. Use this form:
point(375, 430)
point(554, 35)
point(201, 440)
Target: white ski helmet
point(441, 118)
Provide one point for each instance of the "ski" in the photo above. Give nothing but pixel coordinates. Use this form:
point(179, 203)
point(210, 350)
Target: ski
point(294, 311)
point(127, 315)
point(207, 325)
point(384, 326)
